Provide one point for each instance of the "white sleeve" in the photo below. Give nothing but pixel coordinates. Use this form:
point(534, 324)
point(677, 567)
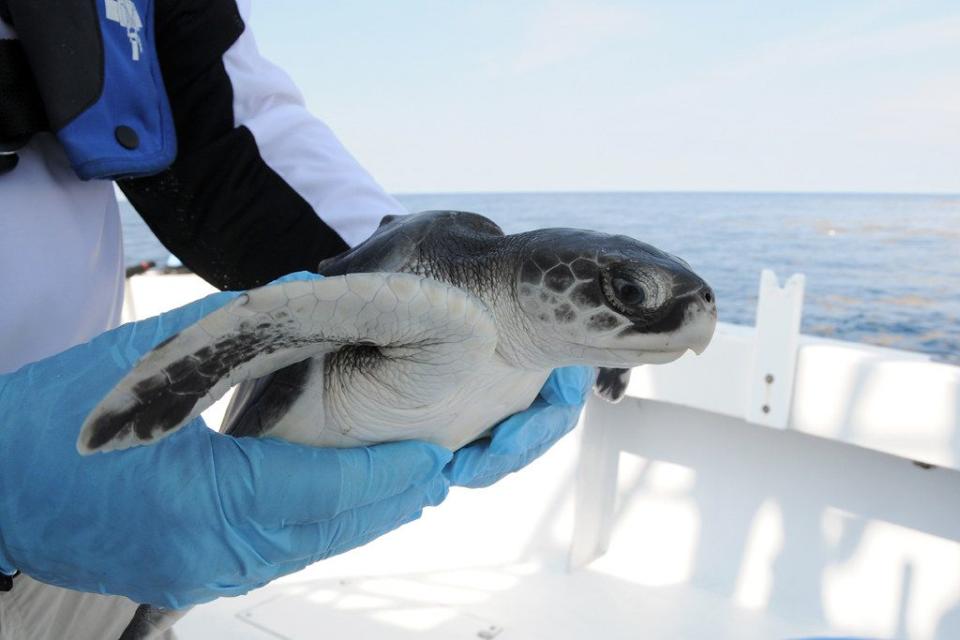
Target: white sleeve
point(299, 146)
point(260, 187)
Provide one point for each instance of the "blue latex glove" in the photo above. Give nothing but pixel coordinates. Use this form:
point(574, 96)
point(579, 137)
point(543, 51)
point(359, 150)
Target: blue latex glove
point(524, 436)
point(195, 516)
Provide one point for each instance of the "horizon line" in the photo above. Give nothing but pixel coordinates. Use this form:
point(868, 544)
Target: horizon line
point(676, 191)
point(121, 197)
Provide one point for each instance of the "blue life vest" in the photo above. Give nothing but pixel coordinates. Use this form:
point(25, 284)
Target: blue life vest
point(96, 70)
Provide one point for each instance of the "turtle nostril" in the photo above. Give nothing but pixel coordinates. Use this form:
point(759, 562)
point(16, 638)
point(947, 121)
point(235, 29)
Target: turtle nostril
point(707, 295)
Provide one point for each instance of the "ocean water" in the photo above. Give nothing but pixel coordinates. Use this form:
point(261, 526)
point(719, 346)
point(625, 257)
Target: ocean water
point(881, 269)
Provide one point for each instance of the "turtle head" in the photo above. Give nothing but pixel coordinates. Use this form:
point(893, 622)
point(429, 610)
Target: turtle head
point(599, 299)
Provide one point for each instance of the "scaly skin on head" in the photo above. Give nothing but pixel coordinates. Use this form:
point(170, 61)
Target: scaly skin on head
point(593, 298)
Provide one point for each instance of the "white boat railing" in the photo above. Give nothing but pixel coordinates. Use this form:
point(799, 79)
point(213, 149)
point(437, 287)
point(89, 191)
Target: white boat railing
point(896, 402)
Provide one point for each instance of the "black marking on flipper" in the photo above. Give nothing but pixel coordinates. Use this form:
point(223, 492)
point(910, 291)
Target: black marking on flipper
point(271, 398)
point(165, 399)
point(612, 383)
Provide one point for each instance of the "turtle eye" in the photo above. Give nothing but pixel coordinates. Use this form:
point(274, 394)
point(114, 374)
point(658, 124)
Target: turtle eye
point(628, 293)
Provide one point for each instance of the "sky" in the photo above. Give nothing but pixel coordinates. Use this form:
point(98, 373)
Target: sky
point(682, 95)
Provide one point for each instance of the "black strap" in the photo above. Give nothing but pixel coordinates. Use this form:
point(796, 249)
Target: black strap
point(6, 582)
point(21, 109)
point(7, 162)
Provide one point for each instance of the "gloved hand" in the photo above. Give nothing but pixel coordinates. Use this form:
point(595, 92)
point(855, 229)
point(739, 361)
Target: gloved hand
point(196, 516)
point(524, 436)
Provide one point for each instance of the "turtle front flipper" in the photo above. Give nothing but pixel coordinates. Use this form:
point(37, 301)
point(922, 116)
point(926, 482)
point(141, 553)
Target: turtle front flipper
point(270, 328)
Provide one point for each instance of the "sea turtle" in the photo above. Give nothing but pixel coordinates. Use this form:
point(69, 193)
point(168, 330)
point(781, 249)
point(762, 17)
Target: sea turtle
point(435, 328)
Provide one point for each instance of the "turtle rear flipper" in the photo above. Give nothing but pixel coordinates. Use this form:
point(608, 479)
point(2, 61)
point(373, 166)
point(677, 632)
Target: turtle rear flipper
point(274, 327)
point(612, 383)
point(150, 622)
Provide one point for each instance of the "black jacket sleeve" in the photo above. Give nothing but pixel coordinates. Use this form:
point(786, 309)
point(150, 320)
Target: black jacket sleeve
point(235, 214)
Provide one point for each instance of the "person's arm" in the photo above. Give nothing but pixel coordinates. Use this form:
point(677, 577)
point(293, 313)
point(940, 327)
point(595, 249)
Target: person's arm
point(260, 187)
point(197, 516)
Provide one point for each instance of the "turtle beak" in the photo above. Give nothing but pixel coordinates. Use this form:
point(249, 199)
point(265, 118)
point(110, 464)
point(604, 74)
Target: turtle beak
point(701, 323)
point(702, 345)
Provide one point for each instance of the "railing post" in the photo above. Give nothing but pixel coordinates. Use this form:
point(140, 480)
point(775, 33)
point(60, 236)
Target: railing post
point(779, 310)
point(596, 484)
